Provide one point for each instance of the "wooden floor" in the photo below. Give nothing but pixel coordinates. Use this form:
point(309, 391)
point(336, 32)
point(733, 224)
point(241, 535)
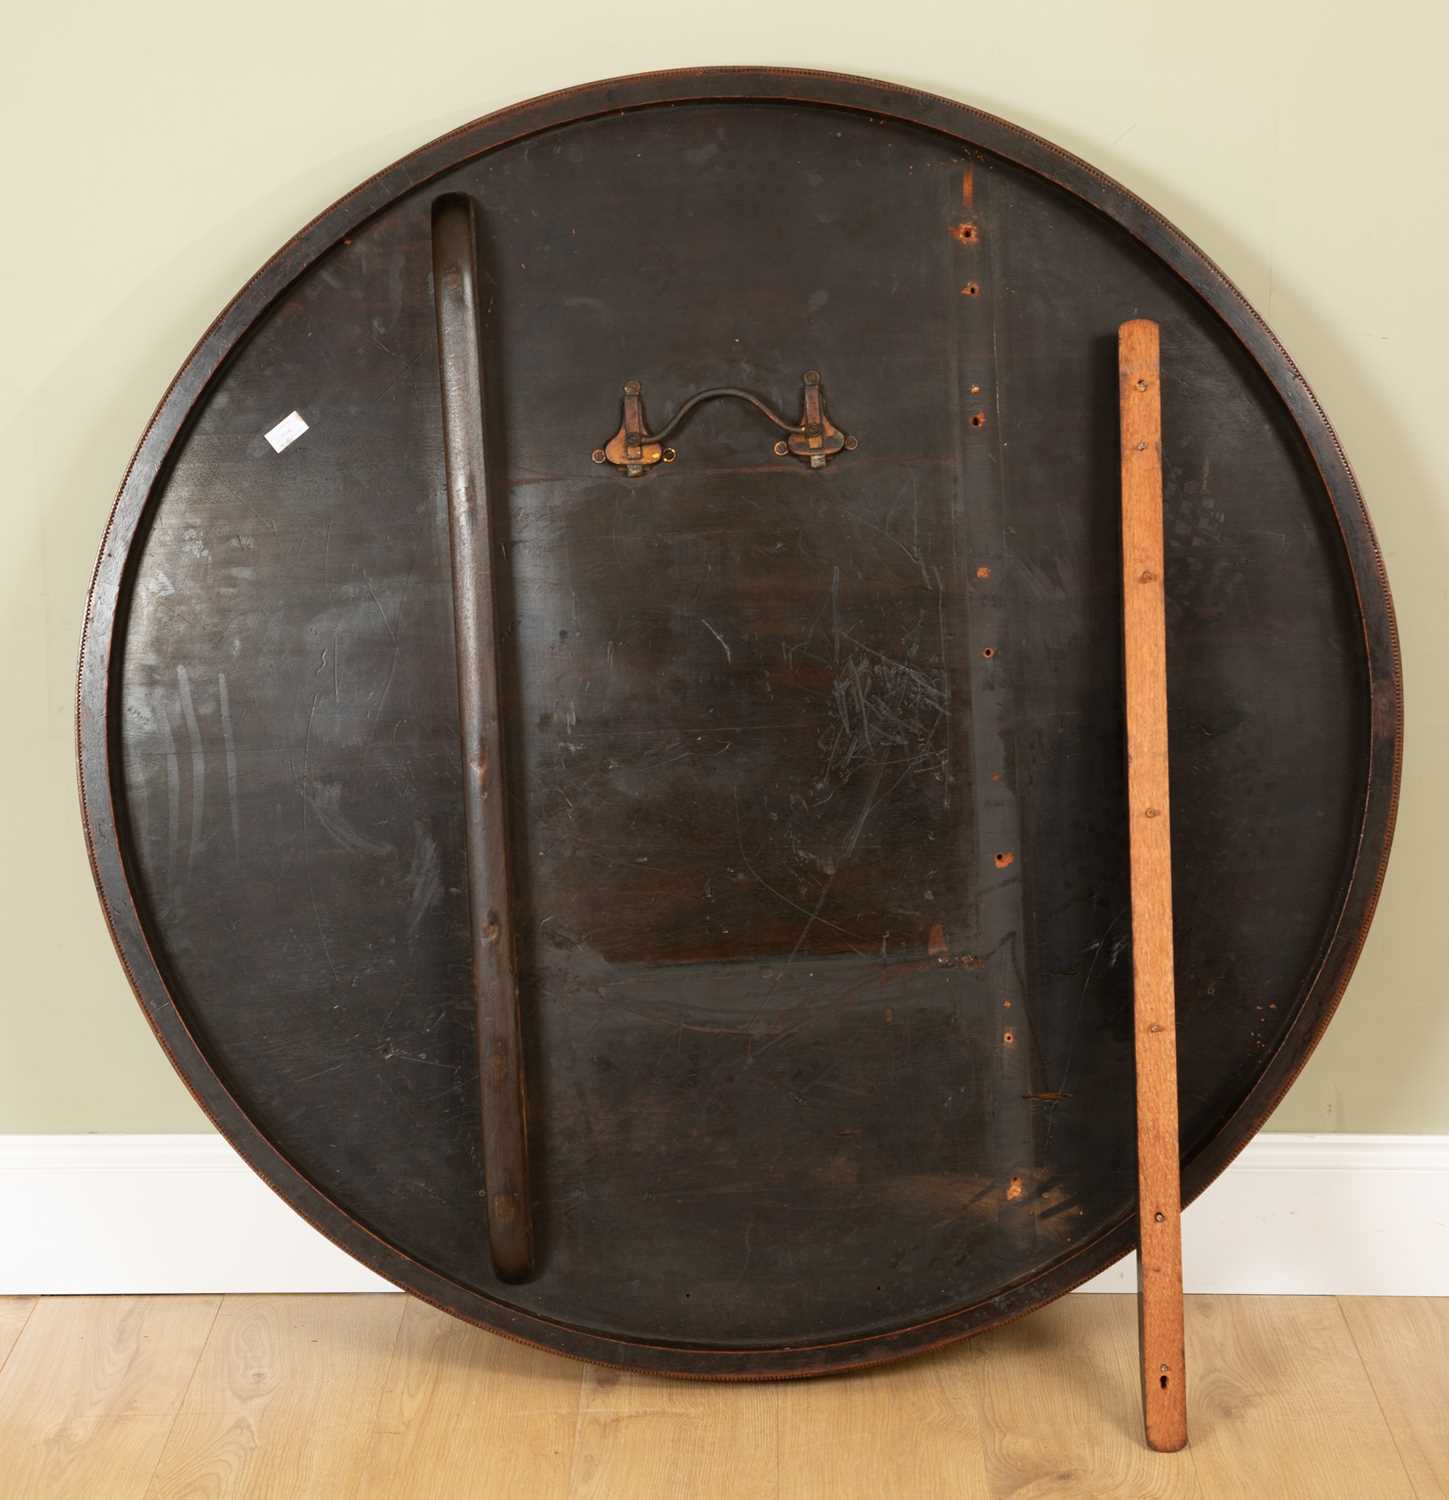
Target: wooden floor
point(156, 1398)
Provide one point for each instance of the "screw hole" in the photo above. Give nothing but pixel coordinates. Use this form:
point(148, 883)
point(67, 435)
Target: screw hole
point(1141, 385)
point(971, 289)
point(1163, 1382)
point(988, 652)
point(978, 419)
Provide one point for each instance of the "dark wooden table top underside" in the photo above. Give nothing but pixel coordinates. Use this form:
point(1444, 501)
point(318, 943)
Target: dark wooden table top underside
point(816, 776)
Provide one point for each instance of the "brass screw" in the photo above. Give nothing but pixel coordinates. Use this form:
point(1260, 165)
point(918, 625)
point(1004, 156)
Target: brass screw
point(782, 448)
point(852, 443)
point(669, 455)
point(598, 455)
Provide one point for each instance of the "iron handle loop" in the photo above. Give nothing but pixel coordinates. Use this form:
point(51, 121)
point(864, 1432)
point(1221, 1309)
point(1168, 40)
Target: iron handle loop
point(814, 439)
point(734, 391)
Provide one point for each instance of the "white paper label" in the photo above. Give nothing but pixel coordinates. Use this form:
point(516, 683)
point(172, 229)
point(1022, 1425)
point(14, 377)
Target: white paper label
point(287, 431)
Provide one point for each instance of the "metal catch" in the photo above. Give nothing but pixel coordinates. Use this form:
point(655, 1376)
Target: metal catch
point(814, 439)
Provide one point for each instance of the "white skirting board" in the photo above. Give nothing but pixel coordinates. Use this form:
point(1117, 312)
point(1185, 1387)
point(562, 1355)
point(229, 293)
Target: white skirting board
point(1314, 1214)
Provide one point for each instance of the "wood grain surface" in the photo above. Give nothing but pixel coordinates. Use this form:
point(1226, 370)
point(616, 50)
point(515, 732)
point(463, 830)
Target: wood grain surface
point(382, 1398)
point(14, 1314)
point(282, 1398)
point(1280, 1378)
point(91, 1391)
point(1154, 1007)
point(1404, 1345)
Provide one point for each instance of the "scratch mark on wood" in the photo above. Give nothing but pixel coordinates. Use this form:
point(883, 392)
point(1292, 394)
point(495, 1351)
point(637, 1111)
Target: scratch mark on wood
point(386, 623)
point(198, 764)
point(325, 800)
point(760, 880)
point(173, 785)
point(424, 881)
point(729, 655)
point(230, 744)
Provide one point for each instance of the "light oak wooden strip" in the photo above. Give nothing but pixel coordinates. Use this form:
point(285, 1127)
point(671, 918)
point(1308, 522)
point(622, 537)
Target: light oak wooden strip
point(1061, 1408)
point(14, 1314)
point(1404, 1344)
point(90, 1391)
point(286, 1391)
point(466, 1414)
point(1154, 1007)
point(1283, 1405)
point(900, 1430)
point(643, 1437)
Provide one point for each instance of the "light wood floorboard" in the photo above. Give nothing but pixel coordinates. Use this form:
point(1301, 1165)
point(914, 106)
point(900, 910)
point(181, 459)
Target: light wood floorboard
point(90, 1391)
point(842, 1435)
point(1404, 1344)
point(286, 1392)
point(1060, 1410)
point(384, 1398)
point(465, 1415)
point(14, 1314)
point(652, 1438)
point(1284, 1405)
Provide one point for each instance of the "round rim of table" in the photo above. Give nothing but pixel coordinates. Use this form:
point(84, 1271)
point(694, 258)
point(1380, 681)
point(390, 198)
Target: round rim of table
point(960, 122)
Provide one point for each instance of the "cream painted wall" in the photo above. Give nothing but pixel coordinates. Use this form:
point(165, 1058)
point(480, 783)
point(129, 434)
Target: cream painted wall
point(156, 153)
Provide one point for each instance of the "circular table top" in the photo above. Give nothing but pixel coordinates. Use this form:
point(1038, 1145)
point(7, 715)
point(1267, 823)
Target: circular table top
point(815, 779)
